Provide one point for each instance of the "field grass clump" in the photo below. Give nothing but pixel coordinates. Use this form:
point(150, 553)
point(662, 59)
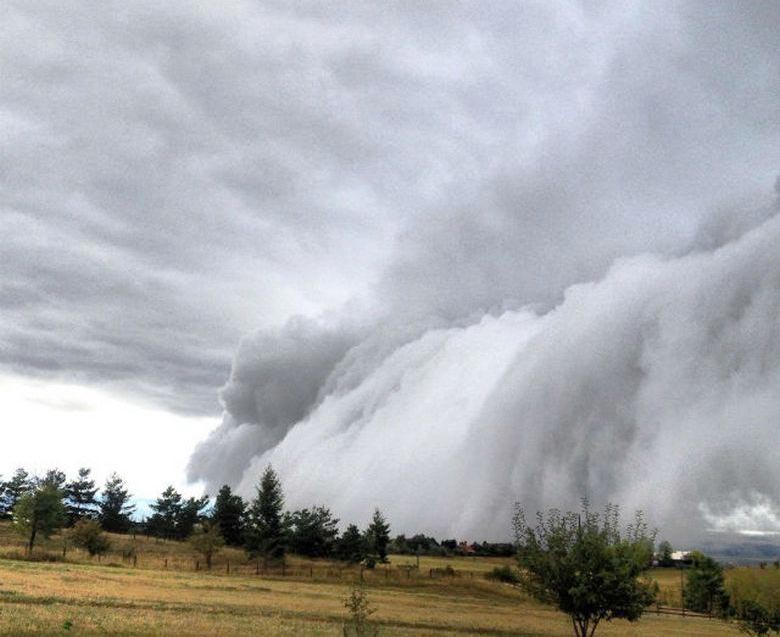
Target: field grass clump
point(505, 574)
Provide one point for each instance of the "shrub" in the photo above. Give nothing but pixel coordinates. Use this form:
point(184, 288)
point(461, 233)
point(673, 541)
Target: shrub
point(88, 534)
point(359, 610)
point(504, 574)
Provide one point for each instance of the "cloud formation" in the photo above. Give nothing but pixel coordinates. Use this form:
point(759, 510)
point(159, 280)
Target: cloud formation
point(363, 187)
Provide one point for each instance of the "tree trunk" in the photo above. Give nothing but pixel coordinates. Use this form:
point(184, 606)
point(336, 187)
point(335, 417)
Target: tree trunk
point(581, 627)
point(31, 543)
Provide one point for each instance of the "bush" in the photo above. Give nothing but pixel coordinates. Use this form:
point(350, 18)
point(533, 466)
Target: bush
point(755, 619)
point(88, 534)
point(359, 610)
point(504, 574)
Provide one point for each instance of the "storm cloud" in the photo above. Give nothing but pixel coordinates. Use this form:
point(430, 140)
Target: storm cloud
point(492, 222)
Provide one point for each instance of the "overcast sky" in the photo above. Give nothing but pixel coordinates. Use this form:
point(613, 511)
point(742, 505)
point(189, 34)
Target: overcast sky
point(177, 176)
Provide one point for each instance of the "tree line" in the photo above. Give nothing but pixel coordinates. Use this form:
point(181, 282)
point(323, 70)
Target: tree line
point(41, 505)
point(586, 564)
point(261, 525)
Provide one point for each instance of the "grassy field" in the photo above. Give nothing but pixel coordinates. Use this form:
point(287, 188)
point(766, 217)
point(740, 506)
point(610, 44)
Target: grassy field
point(82, 597)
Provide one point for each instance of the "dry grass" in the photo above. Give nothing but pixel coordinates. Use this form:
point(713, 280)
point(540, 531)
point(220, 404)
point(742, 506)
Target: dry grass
point(40, 598)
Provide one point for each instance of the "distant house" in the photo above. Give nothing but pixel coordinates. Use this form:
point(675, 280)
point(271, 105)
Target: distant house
point(681, 557)
point(466, 549)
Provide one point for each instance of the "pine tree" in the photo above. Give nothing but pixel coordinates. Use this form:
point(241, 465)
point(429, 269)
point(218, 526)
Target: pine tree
point(80, 497)
point(229, 512)
point(189, 515)
point(14, 489)
point(167, 509)
point(351, 546)
point(265, 535)
point(114, 506)
point(378, 536)
point(312, 532)
point(54, 478)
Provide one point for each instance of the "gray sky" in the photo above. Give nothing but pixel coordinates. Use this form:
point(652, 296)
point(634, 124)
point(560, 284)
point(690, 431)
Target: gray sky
point(176, 177)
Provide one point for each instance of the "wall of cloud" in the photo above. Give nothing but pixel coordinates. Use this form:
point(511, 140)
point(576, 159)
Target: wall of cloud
point(655, 386)
point(582, 302)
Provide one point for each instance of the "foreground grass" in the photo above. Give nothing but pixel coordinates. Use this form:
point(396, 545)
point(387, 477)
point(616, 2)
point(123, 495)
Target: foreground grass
point(79, 596)
point(44, 599)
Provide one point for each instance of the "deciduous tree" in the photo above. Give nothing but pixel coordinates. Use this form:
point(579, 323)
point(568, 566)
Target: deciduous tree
point(39, 512)
point(88, 534)
point(585, 565)
point(207, 540)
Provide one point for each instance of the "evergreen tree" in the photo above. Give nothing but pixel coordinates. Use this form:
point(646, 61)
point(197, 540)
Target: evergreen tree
point(351, 546)
point(114, 506)
point(15, 488)
point(665, 554)
point(167, 509)
point(80, 497)
point(54, 478)
point(3, 505)
point(189, 515)
point(265, 535)
point(229, 510)
point(378, 536)
point(39, 512)
point(705, 589)
point(312, 532)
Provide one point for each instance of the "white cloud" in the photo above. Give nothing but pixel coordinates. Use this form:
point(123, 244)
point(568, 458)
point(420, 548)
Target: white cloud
point(49, 424)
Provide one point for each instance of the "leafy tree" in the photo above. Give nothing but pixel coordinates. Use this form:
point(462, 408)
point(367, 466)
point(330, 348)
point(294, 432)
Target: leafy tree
point(14, 489)
point(89, 535)
point(229, 510)
point(207, 540)
point(378, 536)
point(705, 589)
point(665, 554)
point(39, 512)
point(266, 533)
point(312, 532)
point(585, 565)
point(80, 497)
point(351, 546)
point(114, 506)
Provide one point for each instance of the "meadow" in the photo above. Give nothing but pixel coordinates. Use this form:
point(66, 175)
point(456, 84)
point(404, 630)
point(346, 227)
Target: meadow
point(77, 595)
